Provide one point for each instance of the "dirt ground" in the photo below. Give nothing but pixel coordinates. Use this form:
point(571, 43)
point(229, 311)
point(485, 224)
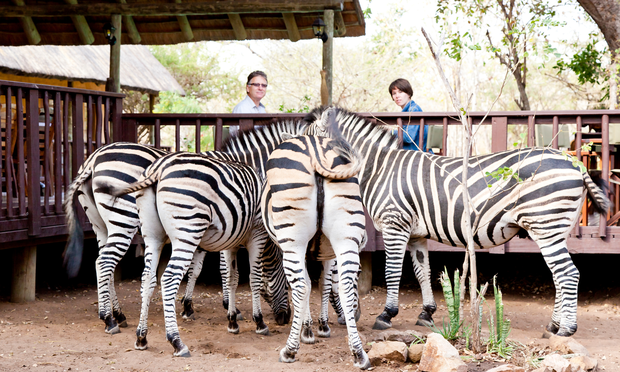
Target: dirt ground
point(61, 331)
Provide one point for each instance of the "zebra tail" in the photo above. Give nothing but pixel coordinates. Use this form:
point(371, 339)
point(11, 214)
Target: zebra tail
point(72, 256)
point(598, 194)
point(148, 178)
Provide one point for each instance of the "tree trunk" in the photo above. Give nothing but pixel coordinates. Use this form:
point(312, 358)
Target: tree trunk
point(605, 14)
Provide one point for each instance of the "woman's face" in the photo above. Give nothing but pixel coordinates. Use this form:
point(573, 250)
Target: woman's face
point(400, 98)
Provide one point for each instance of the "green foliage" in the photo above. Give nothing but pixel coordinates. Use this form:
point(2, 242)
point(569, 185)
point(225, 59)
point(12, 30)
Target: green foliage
point(504, 174)
point(452, 296)
point(171, 102)
point(500, 328)
point(586, 147)
point(586, 64)
point(303, 106)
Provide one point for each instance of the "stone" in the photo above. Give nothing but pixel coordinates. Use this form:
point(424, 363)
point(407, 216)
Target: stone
point(440, 356)
point(567, 345)
point(395, 335)
point(557, 363)
point(543, 369)
point(583, 363)
point(507, 368)
point(415, 352)
point(390, 350)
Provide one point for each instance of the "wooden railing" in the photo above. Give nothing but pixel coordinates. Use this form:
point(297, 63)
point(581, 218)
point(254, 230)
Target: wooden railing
point(47, 132)
point(60, 127)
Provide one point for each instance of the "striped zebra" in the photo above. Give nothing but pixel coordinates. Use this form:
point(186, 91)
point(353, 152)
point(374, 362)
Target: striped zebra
point(412, 196)
point(115, 225)
point(311, 195)
point(195, 201)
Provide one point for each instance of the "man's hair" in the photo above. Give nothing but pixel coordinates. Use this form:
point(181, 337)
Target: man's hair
point(402, 85)
point(255, 74)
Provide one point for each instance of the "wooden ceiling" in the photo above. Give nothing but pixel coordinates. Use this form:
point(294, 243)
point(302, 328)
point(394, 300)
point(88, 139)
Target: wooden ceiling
point(157, 22)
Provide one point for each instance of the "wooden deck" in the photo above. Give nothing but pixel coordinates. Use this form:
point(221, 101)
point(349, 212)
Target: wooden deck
point(60, 127)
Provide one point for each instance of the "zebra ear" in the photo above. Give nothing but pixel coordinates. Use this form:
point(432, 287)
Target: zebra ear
point(327, 117)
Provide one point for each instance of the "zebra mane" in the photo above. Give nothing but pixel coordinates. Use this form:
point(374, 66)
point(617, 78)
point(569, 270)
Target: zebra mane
point(352, 127)
point(254, 146)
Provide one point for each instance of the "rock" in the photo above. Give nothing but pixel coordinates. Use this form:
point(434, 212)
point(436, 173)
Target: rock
point(557, 363)
point(507, 368)
point(415, 352)
point(583, 363)
point(390, 350)
point(395, 335)
point(440, 356)
point(567, 345)
point(543, 369)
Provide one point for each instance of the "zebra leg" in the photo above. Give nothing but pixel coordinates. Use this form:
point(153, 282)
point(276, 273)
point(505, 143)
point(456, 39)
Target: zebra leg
point(254, 247)
point(295, 268)
point(170, 281)
point(325, 287)
point(192, 275)
point(422, 269)
point(149, 282)
point(348, 266)
point(334, 298)
point(307, 335)
point(566, 279)
point(117, 313)
point(224, 275)
point(395, 246)
point(232, 279)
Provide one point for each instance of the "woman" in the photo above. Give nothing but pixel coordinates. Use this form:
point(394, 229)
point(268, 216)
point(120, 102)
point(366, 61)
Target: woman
point(401, 93)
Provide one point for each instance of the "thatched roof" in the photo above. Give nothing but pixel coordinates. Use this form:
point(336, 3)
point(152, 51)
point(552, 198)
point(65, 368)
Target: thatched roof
point(140, 70)
point(150, 22)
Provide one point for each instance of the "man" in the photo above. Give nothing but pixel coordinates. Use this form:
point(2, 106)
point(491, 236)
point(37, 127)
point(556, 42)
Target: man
point(256, 88)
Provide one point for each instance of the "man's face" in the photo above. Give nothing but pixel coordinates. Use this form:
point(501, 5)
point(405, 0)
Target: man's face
point(257, 88)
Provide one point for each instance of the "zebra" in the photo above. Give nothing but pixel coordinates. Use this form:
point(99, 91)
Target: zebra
point(196, 200)
point(311, 194)
point(115, 225)
point(413, 196)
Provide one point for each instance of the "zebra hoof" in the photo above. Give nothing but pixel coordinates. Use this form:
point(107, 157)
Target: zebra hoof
point(381, 324)
point(263, 331)
point(239, 316)
point(358, 315)
point(553, 328)
point(341, 320)
point(183, 353)
point(287, 356)
point(283, 317)
point(362, 361)
point(141, 344)
point(233, 328)
point(123, 324)
point(566, 331)
point(113, 330)
point(324, 331)
point(307, 336)
point(190, 317)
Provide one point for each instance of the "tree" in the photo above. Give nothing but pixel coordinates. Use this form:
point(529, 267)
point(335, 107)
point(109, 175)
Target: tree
point(605, 14)
point(521, 23)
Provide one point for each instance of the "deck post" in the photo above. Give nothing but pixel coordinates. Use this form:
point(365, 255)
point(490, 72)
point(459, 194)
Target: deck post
point(328, 46)
point(364, 283)
point(23, 284)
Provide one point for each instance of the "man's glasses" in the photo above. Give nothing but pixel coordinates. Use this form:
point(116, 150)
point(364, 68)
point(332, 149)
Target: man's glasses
point(258, 85)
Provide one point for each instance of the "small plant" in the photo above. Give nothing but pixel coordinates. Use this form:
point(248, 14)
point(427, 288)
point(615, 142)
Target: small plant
point(576, 162)
point(503, 174)
point(500, 328)
point(452, 295)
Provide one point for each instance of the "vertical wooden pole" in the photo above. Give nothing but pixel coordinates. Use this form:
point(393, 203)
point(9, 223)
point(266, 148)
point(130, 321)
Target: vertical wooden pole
point(115, 56)
point(364, 283)
point(23, 284)
point(328, 61)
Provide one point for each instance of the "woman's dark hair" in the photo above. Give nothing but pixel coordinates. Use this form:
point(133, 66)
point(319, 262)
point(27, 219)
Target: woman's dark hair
point(255, 74)
point(402, 85)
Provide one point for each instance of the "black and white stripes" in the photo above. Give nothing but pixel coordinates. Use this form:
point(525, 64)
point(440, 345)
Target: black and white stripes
point(412, 196)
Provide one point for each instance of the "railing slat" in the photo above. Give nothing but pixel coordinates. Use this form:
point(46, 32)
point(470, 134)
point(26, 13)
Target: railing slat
point(197, 139)
point(33, 163)
point(46, 154)
point(21, 180)
point(57, 154)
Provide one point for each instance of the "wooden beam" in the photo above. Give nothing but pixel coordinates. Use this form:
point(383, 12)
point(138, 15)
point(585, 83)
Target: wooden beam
point(237, 25)
point(81, 26)
point(198, 8)
point(23, 284)
point(186, 28)
point(130, 26)
point(32, 34)
point(340, 29)
point(115, 57)
point(291, 26)
point(328, 60)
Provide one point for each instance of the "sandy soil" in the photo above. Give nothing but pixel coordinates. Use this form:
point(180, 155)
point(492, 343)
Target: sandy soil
point(61, 331)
